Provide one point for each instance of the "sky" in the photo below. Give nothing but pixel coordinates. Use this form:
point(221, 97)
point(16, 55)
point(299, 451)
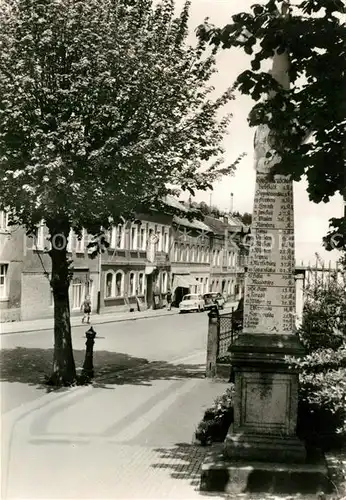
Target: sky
point(311, 220)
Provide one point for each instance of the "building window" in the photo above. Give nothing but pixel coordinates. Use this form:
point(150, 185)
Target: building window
point(39, 238)
point(187, 250)
point(134, 236)
point(3, 281)
point(120, 237)
point(198, 254)
point(113, 237)
point(109, 292)
point(183, 253)
point(117, 237)
point(77, 295)
point(119, 284)
point(206, 285)
point(175, 256)
point(165, 242)
point(218, 257)
point(132, 284)
point(80, 243)
point(192, 254)
point(3, 220)
point(160, 241)
point(141, 283)
point(142, 240)
point(207, 254)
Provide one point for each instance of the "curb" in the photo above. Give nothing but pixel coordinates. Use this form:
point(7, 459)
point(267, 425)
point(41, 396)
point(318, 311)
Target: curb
point(97, 322)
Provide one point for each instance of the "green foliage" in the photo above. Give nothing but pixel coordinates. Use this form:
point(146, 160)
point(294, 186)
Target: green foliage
point(212, 210)
point(103, 112)
point(101, 109)
point(322, 398)
point(216, 419)
point(246, 217)
point(313, 35)
point(208, 210)
point(322, 392)
point(324, 316)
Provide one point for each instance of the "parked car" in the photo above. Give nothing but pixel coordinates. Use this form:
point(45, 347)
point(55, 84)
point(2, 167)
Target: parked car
point(192, 302)
point(212, 298)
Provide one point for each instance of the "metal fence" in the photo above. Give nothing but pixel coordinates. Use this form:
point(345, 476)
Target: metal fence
point(227, 332)
point(321, 273)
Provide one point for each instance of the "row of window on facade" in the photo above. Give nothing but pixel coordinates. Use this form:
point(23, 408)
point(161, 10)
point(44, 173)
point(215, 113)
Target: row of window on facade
point(138, 238)
point(186, 253)
point(138, 241)
point(115, 283)
point(204, 286)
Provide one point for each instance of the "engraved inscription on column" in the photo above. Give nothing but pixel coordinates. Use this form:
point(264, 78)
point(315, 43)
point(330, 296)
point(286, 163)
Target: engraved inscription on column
point(269, 304)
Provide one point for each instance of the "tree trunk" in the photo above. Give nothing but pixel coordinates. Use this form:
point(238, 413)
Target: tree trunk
point(64, 370)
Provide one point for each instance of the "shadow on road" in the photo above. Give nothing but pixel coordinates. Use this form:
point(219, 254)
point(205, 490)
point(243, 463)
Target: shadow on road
point(184, 461)
point(32, 365)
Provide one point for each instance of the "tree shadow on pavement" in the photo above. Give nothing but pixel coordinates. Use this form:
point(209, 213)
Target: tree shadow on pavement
point(184, 461)
point(32, 365)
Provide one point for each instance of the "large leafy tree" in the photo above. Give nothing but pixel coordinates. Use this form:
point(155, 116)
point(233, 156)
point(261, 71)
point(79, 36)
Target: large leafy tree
point(103, 107)
point(308, 120)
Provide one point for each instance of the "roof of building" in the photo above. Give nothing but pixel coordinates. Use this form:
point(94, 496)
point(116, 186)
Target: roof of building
point(209, 224)
point(173, 202)
point(196, 224)
point(226, 224)
point(217, 226)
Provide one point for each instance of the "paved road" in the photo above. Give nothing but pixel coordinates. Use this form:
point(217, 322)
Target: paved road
point(127, 436)
point(26, 357)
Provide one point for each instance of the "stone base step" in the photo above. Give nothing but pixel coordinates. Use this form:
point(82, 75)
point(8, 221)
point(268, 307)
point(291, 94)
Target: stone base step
point(223, 475)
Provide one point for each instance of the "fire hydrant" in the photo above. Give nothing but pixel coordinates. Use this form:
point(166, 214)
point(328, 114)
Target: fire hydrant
point(88, 368)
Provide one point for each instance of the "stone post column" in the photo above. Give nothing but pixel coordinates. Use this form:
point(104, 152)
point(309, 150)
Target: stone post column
point(300, 277)
point(213, 342)
point(266, 389)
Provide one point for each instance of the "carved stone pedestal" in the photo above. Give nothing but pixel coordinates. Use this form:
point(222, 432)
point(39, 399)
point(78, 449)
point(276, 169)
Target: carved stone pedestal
point(234, 478)
point(266, 400)
point(261, 452)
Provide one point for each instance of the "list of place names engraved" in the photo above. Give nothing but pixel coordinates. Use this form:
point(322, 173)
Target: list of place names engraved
point(269, 304)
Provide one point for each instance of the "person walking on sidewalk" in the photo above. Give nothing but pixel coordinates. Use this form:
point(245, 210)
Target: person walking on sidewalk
point(169, 300)
point(86, 308)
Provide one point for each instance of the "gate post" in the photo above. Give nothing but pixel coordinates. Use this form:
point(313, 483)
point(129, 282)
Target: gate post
point(213, 342)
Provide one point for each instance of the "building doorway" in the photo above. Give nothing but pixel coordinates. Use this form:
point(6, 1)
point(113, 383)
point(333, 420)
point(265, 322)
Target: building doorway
point(178, 295)
point(149, 291)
